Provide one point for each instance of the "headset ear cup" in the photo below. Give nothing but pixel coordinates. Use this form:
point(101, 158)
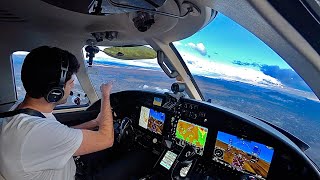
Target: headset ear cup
point(56, 92)
point(55, 95)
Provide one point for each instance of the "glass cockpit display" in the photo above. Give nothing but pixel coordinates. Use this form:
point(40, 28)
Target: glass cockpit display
point(193, 134)
point(152, 120)
point(243, 155)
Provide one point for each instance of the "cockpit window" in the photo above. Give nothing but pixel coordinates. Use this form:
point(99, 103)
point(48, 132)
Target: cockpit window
point(235, 69)
point(132, 68)
point(78, 97)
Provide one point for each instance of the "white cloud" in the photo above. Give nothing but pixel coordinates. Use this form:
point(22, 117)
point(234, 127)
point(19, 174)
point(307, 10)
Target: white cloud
point(157, 89)
point(145, 87)
point(21, 53)
point(201, 47)
point(192, 45)
point(161, 90)
point(204, 67)
point(177, 43)
point(198, 47)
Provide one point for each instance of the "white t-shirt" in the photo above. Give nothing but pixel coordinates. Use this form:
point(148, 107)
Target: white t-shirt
point(34, 148)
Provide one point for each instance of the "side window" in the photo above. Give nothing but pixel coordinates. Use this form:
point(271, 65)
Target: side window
point(77, 97)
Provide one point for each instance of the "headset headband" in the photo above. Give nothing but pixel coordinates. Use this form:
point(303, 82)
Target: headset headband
point(64, 70)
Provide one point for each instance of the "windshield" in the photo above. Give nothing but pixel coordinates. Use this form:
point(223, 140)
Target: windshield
point(235, 69)
point(131, 68)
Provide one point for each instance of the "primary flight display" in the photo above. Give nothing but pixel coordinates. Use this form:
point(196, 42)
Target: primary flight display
point(151, 120)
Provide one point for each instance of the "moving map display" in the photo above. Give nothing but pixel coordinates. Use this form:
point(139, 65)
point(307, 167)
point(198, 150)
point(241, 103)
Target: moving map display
point(152, 120)
point(192, 134)
point(243, 155)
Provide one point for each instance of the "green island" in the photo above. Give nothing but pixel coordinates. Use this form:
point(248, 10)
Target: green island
point(131, 53)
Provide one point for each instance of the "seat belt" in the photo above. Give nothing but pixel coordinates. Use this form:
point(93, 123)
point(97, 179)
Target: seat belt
point(28, 111)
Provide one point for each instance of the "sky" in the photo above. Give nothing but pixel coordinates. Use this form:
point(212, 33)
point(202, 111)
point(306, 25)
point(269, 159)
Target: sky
point(223, 49)
point(226, 41)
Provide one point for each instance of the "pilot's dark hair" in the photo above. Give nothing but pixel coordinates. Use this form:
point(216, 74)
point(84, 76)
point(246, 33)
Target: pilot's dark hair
point(41, 69)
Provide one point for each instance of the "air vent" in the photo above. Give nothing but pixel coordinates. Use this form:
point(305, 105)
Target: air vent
point(6, 16)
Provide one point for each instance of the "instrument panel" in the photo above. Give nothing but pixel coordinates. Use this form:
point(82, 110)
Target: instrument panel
point(197, 139)
point(239, 154)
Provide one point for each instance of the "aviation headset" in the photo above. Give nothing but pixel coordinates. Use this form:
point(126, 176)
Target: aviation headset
point(56, 93)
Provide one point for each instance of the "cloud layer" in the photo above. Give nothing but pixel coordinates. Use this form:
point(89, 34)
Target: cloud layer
point(240, 63)
point(208, 68)
point(204, 67)
point(157, 89)
point(286, 76)
point(251, 73)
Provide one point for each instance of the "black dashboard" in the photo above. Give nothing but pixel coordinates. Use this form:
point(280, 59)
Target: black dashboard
point(197, 140)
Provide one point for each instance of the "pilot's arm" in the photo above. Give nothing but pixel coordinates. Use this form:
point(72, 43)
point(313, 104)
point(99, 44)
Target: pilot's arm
point(88, 125)
point(94, 141)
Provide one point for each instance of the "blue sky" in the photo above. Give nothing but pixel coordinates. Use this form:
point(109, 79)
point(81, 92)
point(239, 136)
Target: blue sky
point(226, 41)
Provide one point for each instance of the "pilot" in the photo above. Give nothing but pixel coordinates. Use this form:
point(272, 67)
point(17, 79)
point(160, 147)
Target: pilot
point(38, 147)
